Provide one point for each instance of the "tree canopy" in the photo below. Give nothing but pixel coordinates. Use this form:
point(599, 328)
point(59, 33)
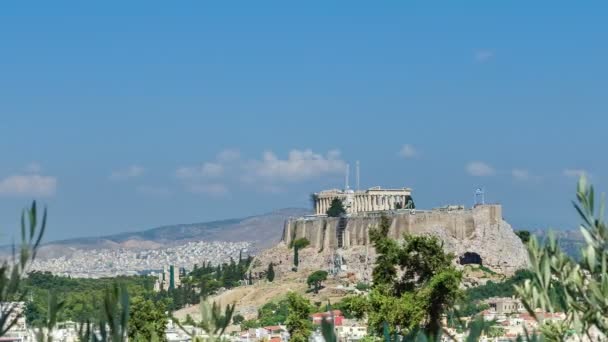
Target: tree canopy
point(298, 318)
point(316, 279)
point(336, 208)
point(147, 320)
point(417, 299)
point(270, 272)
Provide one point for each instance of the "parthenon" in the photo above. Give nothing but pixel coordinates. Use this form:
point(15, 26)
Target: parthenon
point(372, 199)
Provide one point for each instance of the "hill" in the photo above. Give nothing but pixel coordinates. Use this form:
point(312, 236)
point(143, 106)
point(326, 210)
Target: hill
point(262, 231)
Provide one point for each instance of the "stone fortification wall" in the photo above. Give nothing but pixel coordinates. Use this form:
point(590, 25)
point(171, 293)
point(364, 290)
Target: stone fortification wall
point(480, 230)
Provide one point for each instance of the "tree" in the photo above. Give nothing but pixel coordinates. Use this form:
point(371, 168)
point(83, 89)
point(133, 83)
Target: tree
point(524, 235)
point(298, 318)
point(300, 243)
point(147, 320)
point(583, 283)
point(270, 272)
point(429, 284)
point(336, 209)
point(296, 257)
point(316, 279)
point(328, 328)
point(387, 253)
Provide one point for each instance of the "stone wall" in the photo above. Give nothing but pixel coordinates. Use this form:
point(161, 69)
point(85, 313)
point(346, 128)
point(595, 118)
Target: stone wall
point(480, 230)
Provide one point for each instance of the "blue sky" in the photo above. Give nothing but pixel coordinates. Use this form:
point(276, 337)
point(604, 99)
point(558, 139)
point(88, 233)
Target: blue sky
point(128, 115)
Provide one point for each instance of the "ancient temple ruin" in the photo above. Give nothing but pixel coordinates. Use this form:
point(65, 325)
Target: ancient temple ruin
point(372, 199)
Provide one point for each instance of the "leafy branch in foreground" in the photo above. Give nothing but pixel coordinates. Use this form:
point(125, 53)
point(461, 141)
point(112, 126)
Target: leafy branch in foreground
point(584, 283)
point(213, 321)
point(113, 321)
point(11, 274)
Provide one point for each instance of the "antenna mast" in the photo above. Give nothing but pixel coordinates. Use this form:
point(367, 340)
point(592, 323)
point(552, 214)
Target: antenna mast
point(346, 176)
point(358, 175)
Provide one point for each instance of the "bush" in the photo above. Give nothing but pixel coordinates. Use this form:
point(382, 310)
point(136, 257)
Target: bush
point(238, 319)
point(300, 243)
point(362, 286)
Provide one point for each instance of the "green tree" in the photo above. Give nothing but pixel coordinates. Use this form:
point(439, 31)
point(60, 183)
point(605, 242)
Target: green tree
point(300, 243)
point(270, 272)
point(524, 235)
point(584, 283)
point(298, 323)
point(387, 251)
point(427, 288)
point(316, 279)
point(336, 208)
point(296, 257)
point(147, 320)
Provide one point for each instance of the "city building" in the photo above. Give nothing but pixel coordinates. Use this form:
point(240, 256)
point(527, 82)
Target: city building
point(351, 332)
point(505, 305)
point(169, 279)
point(336, 315)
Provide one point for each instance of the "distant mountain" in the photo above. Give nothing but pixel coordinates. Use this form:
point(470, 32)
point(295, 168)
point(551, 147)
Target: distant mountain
point(570, 241)
point(262, 230)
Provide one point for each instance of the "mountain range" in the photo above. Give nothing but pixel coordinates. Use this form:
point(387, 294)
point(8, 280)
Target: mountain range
point(262, 231)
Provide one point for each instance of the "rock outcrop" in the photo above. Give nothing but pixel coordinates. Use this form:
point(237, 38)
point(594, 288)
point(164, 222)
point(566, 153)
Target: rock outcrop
point(478, 235)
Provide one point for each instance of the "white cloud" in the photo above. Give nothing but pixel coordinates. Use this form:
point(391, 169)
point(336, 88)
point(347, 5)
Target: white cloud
point(228, 155)
point(520, 174)
point(408, 151)
point(33, 167)
point(575, 173)
point(206, 170)
point(300, 165)
point(215, 189)
point(267, 174)
point(28, 185)
point(130, 172)
point(479, 169)
point(484, 55)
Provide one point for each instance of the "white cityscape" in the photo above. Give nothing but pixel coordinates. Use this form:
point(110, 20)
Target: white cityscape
point(97, 263)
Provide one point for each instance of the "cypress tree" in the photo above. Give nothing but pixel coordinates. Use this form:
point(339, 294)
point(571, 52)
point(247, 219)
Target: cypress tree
point(270, 273)
point(296, 258)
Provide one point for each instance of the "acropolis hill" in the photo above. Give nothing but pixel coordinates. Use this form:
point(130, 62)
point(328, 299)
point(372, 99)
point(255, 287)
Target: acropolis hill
point(478, 235)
